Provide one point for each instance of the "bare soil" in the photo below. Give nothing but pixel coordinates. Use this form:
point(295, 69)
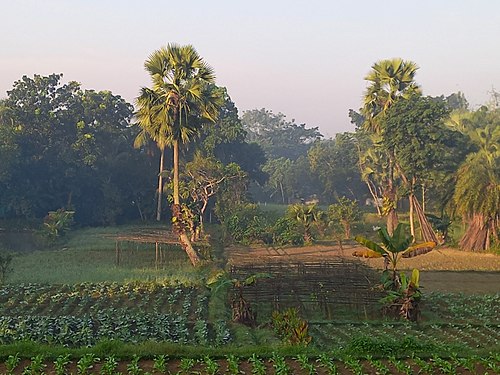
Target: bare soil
point(443, 269)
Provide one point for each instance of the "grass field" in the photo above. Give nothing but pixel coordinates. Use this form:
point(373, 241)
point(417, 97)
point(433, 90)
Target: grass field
point(88, 255)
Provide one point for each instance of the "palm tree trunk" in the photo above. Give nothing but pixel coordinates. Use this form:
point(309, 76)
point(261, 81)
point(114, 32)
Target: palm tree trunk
point(411, 199)
point(392, 216)
point(176, 212)
point(476, 237)
point(176, 173)
point(412, 224)
point(160, 185)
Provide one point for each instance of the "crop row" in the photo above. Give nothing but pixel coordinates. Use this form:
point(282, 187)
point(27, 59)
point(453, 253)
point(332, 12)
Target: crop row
point(87, 330)
point(462, 308)
point(81, 299)
point(232, 365)
point(473, 336)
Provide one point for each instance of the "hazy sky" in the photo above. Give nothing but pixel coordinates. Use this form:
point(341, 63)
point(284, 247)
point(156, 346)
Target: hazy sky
point(306, 59)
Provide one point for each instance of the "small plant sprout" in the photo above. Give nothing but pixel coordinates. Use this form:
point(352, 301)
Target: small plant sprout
point(86, 363)
point(60, 364)
point(233, 364)
point(328, 363)
point(36, 367)
point(133, 367)
point(11, 363)
point(160, 363)
point(109, 366)
point(186, 365)
point(279, 364)
point(305, 364)
point(258, 366)
point(211, 365)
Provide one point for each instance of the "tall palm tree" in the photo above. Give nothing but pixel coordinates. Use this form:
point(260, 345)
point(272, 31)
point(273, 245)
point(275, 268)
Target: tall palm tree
point(389, 81)
point(178, 103)
point(152, 129)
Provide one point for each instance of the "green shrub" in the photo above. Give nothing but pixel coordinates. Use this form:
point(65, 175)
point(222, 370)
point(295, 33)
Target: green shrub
point(286, 232)
point(247, 224)
point(57, 223)
point(291, 327)
point(345, 212)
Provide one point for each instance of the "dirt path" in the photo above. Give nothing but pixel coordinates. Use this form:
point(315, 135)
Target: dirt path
point(444, 269)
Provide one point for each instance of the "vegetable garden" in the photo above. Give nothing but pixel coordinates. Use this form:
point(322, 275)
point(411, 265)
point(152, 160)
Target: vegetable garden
point(457, 333)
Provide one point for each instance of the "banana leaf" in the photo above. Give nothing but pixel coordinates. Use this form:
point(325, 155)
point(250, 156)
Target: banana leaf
point(419, 249)
point(370, 245)
point(367, 253)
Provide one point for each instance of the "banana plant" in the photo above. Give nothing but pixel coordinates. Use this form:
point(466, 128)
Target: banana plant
point(242, 311)
point(392, 248)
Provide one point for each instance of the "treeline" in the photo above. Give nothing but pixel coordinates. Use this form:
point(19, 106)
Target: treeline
point(62, 146)
point(65, 147)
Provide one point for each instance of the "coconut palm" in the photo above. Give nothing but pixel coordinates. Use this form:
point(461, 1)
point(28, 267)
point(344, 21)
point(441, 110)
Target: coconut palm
point(179, 102)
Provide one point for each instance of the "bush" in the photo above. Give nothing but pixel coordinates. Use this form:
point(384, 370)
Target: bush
point(247, 224)
point(291, 327)
point(286, 232)
point(57, 223)
point(345, 212)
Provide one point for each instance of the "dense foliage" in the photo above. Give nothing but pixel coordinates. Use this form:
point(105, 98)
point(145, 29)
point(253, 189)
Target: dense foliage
point(69, 147)
point(66, 148)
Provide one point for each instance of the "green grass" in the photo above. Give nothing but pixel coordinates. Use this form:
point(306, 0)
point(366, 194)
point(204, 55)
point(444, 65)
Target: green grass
point(88, 255)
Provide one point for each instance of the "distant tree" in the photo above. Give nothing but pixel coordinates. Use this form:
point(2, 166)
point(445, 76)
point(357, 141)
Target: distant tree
point(389, 81)
point(457, 101)
point(414, 132)
point(357, 119)
point(8, 147)
point(345, 211)
point(277, 136)
point(58, 143)
point(279, 171)
point(206, 176)
point(226, 140)
point(335, 162)
point(153, 128)
point(494, 102)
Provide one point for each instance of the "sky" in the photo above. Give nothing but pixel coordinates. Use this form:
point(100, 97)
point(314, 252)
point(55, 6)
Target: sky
point(306, 59)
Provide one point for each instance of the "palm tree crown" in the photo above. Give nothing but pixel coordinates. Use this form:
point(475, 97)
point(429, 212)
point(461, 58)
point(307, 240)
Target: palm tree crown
point(180, 83)
point(388, 80)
